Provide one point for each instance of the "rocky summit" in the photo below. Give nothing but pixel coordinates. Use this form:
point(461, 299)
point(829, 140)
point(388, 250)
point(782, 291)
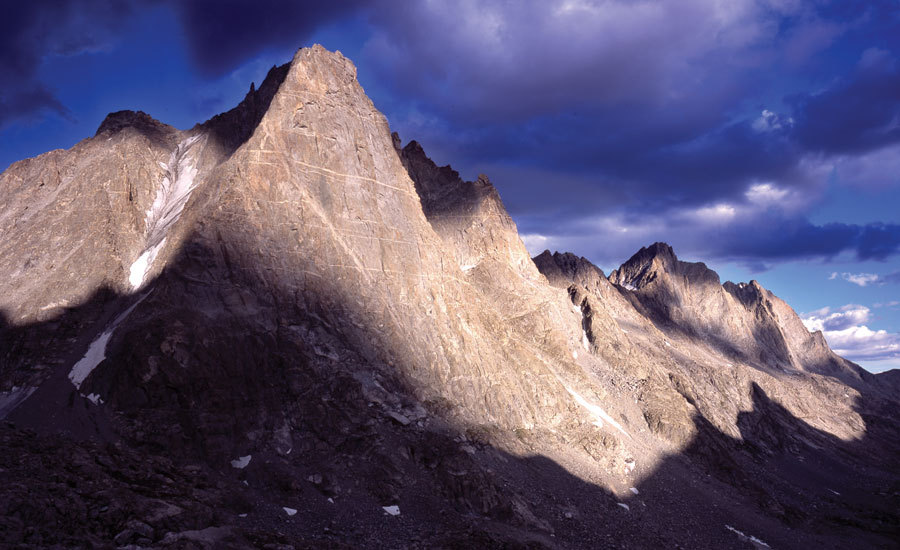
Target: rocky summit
point(282, 328)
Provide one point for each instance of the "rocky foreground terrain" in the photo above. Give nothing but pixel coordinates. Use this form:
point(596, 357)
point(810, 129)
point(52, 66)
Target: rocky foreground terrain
point(283, 329)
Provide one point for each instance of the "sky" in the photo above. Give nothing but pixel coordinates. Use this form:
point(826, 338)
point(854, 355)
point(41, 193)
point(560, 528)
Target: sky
point(761, 137)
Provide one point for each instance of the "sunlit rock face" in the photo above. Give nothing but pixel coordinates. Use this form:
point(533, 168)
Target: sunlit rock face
point(284, 327)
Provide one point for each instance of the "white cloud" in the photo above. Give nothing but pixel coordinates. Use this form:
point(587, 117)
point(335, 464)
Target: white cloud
point(535, 243)
point(862, 343)
point(765, 194)
point(826, 320)
point(769, 121)
point(758, 199)
point(861, 279)
point(846, 334)
point(718, 213)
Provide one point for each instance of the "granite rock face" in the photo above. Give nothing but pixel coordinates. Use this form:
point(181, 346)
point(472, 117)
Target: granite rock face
point(283, 309)
point(747, 320)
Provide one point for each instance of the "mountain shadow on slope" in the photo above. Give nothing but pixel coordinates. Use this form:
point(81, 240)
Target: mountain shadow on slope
point(215, 364)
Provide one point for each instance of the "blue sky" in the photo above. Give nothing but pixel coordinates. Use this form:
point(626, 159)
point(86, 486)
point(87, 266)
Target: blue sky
point(759, 136)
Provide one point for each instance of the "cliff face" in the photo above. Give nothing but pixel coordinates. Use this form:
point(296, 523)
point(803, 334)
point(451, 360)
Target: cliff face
point(745, 320)
point(284, 309)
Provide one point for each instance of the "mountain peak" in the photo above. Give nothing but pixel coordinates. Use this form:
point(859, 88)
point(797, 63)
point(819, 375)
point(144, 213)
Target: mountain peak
point(440, 188)
point(659, 260)
point(645, 266)
point(658, 250)
point(235, 126)
point(139, 120)
point(564, 268)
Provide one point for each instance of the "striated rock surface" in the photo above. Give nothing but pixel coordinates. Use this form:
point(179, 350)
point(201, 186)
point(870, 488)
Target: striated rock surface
point(745, 320)
point(280, 328)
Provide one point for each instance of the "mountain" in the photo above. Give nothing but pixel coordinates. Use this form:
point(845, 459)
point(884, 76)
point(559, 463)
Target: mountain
point(283, 328)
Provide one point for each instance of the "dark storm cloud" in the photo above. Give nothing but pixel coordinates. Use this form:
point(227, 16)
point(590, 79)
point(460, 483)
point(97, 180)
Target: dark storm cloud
point(483, 62)
point(654, 109)
point(859, 114)
point(580, 108)
point(797, 238)
point(221, 34)
point(756, 239)
point(29, 31)
point(644, 95)
point(652, 164)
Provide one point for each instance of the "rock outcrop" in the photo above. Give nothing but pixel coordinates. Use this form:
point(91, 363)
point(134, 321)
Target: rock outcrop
point(317, 337)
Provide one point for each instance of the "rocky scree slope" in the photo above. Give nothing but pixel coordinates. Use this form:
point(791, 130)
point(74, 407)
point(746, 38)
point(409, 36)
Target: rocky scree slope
point(280, 327)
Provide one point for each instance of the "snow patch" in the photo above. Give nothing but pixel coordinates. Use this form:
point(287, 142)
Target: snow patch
point(598, 413)
point(468, 267)
point(747, 537)
point(289, 511)
point(94, 398)
point(96, 352)
point(241, 462)
point(574, 354)
point(51, 305)
point(835, 492)
point(629, 286)
point(668, 344)
point(634, 490)
point(392, 510)
point(584, 341)
point(173, 193)
point(142, 265)
point(623, 505)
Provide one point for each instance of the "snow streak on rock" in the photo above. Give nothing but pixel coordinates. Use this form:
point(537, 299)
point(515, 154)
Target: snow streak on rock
point(141, 266)
point(755, 541)
point(173, 193)
point(94, 398)
point(96, 352)
point(598, 413)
